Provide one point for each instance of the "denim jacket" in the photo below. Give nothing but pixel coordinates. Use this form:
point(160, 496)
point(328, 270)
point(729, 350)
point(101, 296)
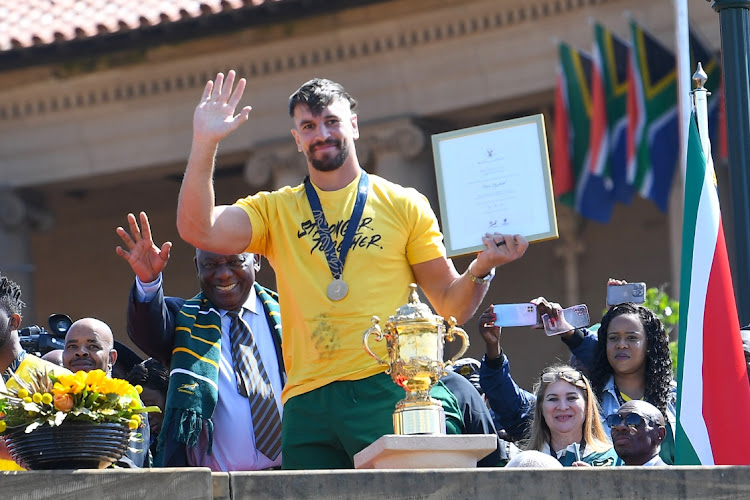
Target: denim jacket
point(582, 345)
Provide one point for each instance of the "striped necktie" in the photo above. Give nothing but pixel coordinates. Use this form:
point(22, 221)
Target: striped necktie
point(253, 382)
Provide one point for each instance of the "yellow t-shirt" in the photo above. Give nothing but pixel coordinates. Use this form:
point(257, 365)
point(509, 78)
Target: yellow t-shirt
point(322, 339)
point(32, 362)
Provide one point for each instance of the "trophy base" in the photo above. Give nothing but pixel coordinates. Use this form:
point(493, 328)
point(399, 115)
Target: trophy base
point(426, 452)
point(419, 419)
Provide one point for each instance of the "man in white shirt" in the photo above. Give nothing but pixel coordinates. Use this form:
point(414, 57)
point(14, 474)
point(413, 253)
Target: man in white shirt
point(221, 434)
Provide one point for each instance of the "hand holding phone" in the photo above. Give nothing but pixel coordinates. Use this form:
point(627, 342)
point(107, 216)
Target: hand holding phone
point(515, 314)
point(543, 306)
point(569, 319)
point(627, 292)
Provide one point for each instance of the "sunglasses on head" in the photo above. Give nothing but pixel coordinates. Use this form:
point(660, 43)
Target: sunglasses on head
point(567, 375)
point(631, 420)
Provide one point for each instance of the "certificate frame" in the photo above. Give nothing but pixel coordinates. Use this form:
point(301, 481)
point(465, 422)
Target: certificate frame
point(510, 156)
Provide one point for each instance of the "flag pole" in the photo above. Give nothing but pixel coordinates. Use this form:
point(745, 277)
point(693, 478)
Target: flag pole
point(684, 105)
point(734, 20)
point(682, 55)
point(699, 95)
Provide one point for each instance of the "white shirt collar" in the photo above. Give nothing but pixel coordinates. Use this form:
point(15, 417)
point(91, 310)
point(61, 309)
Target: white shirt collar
point(654, 460)
point(251, 304)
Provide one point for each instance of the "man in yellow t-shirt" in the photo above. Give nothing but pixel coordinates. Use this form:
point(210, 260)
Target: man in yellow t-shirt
point(344, 246)
point(13, 359)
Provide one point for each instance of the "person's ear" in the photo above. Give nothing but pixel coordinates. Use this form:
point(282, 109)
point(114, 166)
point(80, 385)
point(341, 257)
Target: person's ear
point(355, 127)
point(112, 357)
point(256, 262)
point(662, 433)
point(296, 139)
point(15, 321)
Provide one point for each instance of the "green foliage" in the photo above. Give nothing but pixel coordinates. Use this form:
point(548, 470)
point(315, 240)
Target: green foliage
point(666, 308)
point(668, 311)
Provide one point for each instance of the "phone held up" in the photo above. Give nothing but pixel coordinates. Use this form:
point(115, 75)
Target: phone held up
point(629, 292)
point(515, 314)
point(574, 317)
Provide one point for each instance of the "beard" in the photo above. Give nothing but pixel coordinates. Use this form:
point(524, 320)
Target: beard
point(329, 164)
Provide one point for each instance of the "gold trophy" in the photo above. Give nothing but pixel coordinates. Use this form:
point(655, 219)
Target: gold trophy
point(415, 338)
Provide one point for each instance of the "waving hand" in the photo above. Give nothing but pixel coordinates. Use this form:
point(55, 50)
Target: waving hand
point(146, 259)
point(214, 117)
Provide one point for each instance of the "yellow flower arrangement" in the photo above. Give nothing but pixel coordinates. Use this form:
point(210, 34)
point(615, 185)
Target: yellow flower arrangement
point(53, 399)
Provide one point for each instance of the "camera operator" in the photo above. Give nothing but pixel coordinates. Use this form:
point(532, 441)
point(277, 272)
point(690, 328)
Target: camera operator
point(14, 360)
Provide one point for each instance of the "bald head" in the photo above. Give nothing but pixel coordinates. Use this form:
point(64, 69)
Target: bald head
point(644, 409)
point(89, 345)
point(54, 356)
point(637, 440)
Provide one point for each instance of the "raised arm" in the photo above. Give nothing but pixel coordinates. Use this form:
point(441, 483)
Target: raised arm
point(459, 295)
point(219, 229)
point(150, 322)
point(512, 405)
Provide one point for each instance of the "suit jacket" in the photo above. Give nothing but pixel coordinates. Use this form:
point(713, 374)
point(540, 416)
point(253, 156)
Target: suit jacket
point(151, 326)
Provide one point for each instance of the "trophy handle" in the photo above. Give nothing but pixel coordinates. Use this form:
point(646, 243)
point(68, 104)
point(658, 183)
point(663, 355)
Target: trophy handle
point(375, 328)
point(449, 336)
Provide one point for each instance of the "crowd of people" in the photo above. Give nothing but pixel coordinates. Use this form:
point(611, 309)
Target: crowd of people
point(260, 380)
point(583, 420)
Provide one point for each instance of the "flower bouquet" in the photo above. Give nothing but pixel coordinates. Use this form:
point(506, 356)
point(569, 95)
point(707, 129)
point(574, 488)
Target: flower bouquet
point(81, 420)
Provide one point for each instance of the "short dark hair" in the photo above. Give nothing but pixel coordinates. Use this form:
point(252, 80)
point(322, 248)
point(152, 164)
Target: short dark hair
point(150, 373)
point(10, 296)
point(317, 94)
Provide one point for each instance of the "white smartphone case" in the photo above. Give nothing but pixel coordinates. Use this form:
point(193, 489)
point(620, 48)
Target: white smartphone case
point(515, 314)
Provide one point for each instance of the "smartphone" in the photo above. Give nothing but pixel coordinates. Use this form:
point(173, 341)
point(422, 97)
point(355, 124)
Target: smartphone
point(515, 314)
point(629, 292)
point(575, 317)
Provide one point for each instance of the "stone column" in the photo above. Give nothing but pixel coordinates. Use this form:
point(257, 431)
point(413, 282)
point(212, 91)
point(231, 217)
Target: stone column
point(396, 150)
point(18, 217)
point(568, 250)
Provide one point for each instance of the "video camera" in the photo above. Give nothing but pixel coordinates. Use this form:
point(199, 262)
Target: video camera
point(38, 341)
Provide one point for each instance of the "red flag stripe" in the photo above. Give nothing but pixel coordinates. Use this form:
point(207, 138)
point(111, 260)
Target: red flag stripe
point(562, 173)
point(725, 383)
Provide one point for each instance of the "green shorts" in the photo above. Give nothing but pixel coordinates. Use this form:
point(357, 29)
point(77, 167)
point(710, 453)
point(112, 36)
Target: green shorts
point(326, 427)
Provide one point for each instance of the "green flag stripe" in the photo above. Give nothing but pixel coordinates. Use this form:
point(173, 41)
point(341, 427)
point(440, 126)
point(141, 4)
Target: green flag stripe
point(695, 173)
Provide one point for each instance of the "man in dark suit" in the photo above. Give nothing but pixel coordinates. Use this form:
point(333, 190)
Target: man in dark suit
point(637, 432)
point(223, 348)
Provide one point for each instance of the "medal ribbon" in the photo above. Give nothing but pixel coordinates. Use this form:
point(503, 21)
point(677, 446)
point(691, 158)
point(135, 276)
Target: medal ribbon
point(336, 262)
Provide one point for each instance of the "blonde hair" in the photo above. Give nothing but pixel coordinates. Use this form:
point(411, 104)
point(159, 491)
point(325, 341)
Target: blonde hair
point(594, 437)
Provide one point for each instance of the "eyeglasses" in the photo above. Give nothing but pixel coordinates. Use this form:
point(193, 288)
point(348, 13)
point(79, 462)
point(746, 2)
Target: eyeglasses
point(631, 420)
point(567, 375)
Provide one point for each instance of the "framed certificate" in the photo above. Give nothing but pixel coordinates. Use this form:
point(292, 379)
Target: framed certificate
point(494, 178)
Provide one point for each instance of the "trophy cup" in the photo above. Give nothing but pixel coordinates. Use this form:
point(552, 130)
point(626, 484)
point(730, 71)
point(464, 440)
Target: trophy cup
point(415, 338)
